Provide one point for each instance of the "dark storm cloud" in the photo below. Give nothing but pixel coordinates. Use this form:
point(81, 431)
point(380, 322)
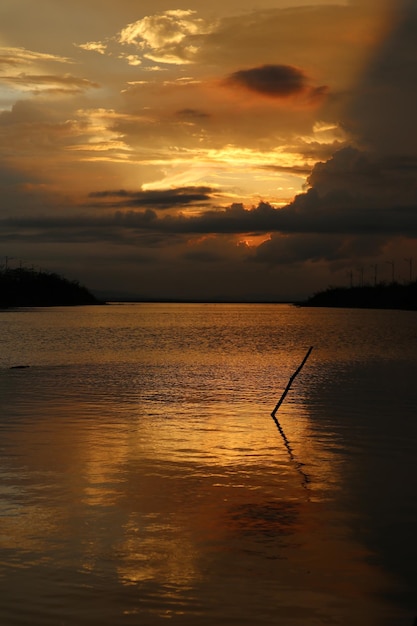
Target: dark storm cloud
point(117, 227)
point(367, 179)
point(160, 198)
point(292, 169)
point(277, 81)
point(306, 215)
point(383, 111)
point(354, 192)
point(357, 193)
point(302, 248)
point(334, 214)
point(271, 80)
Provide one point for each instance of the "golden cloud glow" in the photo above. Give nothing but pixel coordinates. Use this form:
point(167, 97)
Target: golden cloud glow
point(47, 82)
point(10, 55)
point(235, 170)
point(94, 46)
point(166, 28)
point(132, 59)
point(160, 37)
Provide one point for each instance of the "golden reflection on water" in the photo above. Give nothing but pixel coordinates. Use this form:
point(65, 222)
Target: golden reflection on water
point(152, 550)
point(174, 493)
point(186, 504)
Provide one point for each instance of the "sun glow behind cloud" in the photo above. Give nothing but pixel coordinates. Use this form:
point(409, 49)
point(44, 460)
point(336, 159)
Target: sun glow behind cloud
point(236, 171)
point(243, 173)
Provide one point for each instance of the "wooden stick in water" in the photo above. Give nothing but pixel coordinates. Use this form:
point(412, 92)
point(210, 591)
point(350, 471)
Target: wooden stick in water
point(287, 388)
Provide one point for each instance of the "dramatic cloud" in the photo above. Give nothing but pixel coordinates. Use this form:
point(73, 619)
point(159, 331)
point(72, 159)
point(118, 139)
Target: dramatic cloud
point(210, 149)
point(383, 110)
point(275, 81)
point(339, 202)
point(161, 199)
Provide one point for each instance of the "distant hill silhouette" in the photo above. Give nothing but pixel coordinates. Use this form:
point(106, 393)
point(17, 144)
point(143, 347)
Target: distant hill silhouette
point(23, 287)
point(380, 296)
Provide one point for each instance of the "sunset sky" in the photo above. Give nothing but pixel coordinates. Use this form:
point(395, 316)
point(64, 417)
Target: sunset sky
point(227, 149)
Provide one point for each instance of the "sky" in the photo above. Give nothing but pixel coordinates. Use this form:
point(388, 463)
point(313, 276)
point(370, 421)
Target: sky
point(225, 150)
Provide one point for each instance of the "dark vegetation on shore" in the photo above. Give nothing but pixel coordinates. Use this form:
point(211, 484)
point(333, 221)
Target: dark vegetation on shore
point(24, 287)
point(381, 296)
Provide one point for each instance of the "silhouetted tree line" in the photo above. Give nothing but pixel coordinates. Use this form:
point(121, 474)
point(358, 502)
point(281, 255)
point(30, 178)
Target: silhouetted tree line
point(24, 287)
point(380, 296)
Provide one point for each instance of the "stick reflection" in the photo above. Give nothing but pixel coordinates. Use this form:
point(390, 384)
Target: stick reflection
point(305, 479)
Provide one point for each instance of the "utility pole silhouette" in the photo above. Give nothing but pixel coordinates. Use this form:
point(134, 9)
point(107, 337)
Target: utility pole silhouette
point(360, 270)
point(409, 260)
point(393, 270)
point(375, 268)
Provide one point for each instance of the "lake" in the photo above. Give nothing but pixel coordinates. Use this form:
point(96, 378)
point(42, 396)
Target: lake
point(143, 480)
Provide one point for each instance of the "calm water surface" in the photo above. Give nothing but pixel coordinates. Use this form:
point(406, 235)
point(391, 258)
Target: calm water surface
point(143, 480)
